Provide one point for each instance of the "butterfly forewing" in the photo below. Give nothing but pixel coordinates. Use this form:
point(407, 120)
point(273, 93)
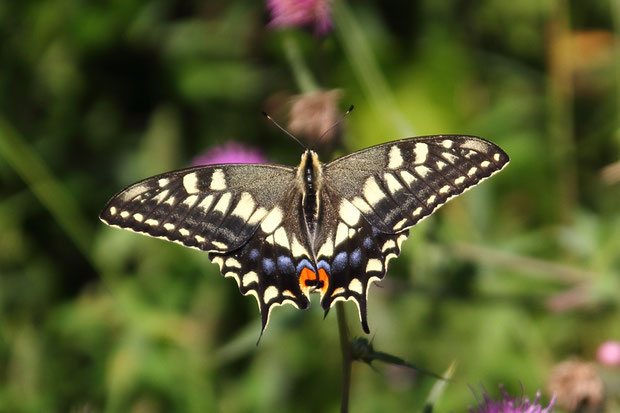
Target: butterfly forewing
point(396, 184)
point(212, 208)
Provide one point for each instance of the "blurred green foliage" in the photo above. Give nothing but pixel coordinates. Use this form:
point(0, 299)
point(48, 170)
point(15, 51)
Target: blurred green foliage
point(509, 279)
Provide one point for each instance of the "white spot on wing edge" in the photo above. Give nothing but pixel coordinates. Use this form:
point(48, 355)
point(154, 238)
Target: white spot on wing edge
point(231, 262)
point(362, 205)
point(356, 286)
point(444, 189)
point(152, 222)
point(281, 238)
point(244, 207)
point(190, 183)
point(272, 220)
point(249, 278)
point(297, 249)
point(161, 196)
point(395, 158)
point(168, 226)
point(190, 200)
point(327, 249)
point(218, 180)
point(113, 210)
point(223, 203)
point(374, 265)
point(372, 192)
point(349, 213)
point(388, 245)
point(219, 245)
point(163, 182)
point(205, 203)
point(342, 233)
point(400, 224)
point(219, 261)
point(422, 170)
point(392, 183)
point(407, 177)
point(257, 216)
point(420, 151)
point(271, 293)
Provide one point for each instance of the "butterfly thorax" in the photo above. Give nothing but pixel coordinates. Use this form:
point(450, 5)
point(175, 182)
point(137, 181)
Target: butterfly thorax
point(309, 174)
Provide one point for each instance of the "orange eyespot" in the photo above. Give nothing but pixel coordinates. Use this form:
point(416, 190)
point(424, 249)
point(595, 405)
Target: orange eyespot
point(325, 279)
point(308, 280)
point(306, 275)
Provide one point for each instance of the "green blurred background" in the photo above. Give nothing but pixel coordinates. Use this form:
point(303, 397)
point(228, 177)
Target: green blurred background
point(506, 281)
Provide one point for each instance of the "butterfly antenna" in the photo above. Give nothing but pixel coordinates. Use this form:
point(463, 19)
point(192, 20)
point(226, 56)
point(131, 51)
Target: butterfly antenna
point(284, 130)
point(338, 122)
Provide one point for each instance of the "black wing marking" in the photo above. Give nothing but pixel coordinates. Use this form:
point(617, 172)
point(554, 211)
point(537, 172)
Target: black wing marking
point(397, 184)
point(352, 251)
point(211, 208)
point(269, 264)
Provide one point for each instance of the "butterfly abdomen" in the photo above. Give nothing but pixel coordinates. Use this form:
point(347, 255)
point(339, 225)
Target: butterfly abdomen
point(310, 171)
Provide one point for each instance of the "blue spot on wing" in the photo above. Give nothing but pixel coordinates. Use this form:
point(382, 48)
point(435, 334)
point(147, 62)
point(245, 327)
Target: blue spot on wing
point(254, 254)
point(340, 262)
point(285, 265)
point(305, 264)
point(268, 266)
point(325, 265)
point(368, 243)
point(356, 257)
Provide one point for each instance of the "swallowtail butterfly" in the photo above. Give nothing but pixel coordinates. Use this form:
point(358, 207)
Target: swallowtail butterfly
point(283, 232)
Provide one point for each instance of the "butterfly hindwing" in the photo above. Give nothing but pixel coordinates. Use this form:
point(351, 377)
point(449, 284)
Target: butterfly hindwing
point(352, 251)
point(397, 184)
point(269, 264)
point(211, 208)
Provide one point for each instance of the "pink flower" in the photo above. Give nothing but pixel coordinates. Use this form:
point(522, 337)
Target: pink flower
point(511, 404)
point(608, 353)
point(298, 13)
point(231, 152)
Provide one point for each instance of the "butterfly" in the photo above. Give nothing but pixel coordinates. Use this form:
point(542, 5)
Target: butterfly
point(283, 233)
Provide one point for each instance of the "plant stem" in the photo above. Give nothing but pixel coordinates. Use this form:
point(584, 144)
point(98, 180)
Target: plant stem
point(561, 120)
point(303, 76)
point(357, 49)
point(347, 361)
point(52, 194)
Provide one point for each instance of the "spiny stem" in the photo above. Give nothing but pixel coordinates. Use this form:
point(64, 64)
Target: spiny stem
point(347, 361)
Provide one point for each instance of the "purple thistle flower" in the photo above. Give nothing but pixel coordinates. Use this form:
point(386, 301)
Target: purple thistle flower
point(299, 13)
point(512, 404)
point(231, 152)
point(608, 353)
